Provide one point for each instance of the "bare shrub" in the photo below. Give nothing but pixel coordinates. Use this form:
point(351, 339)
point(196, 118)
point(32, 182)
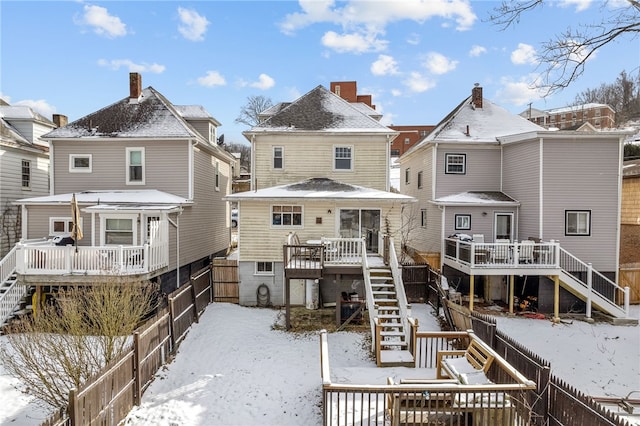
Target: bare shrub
point(67, 342)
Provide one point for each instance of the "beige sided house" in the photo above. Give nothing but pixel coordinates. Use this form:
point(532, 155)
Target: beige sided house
point(517, 213)
point(149, 179)
point(319, 213)
point(24, 166)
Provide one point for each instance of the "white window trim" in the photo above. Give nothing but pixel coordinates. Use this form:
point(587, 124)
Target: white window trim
point(273, 157)
point(22, 174)
point(264, 273)
point(351, 162)
point(423, 218)
point(462, 222)
point(103, 226)
point(286, 226)
point(68, 223)
point(128, 151)
point(216, 177)
point(73, 169)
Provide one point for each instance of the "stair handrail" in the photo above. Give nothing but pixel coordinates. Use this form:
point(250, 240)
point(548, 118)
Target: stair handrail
point(568, 264)
point(371, 306)
point(403, 305)
point(12, 295)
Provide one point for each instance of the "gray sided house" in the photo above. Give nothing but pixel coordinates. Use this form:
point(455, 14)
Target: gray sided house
point(149, 180)
point(514, 211)
point(320, 185)
point(24, 166)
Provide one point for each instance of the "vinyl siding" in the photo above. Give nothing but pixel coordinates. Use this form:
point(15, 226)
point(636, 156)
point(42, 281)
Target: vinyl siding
point(521, 181)
point(166, 166)
point(259, 241)
point(482, 170)
point(313, 157)
point(588, 183)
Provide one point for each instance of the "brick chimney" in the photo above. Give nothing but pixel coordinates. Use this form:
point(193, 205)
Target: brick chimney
point(476, 95)
point(135, 85)
point(60, 120)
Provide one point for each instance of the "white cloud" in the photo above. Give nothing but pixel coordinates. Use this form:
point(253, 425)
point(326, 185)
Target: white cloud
point(413, 39)
point(212, 79)
point(385, 65)
point(439, 64)
point(396, 92)
point(519, 92)
point(354, 42)
point(580, 5)
point(116, 64)
point(193, 25)
point(363, 22)
point(578, 51)
point(418, 83)
point(477, 50)
point(102, 23)
point(264, 82)
point(40, 106)
point(524, 54)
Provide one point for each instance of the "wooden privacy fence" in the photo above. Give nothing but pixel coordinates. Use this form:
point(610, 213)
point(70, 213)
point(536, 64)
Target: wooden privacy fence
point(225, 281)
point(107, 398)
point(629, 276)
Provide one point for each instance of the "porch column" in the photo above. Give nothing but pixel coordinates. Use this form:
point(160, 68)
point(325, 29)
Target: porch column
point(556, 299)
point(512, 292)
point(471, 291)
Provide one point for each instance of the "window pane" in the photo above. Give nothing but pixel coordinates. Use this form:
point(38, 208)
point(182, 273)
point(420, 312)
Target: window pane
point(58, 226)
point(343, 158)
point(81, 162)
point(135, 157)
point(135, 172)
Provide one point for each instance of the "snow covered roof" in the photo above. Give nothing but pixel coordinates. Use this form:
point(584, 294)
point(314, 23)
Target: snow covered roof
point(195, 112)
point(23, 112)
point(572, 108)
point(320, 189)
point(123, 197)
point(150, 116)
point(484, 198)
point(318, 110)
point(470, 124)
point(11, 137)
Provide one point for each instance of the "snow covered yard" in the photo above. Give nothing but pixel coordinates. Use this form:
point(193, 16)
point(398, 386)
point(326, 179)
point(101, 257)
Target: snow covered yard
point(235, 369)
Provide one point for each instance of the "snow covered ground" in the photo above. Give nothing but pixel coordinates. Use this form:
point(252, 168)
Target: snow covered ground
point(235, 369)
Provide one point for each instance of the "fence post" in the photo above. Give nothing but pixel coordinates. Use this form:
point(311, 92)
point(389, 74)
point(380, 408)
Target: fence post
point(72, 407)
point(194, 296)
point(172, 330)
point(137, 385)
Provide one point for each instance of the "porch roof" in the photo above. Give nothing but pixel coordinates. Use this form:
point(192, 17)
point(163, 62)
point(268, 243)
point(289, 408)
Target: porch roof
point(476, 198)
point(141, 197)
point(133, 208)
point(320, 189)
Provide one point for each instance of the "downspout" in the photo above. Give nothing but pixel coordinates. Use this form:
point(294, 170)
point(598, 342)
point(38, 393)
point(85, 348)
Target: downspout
point(25, 220)
point(618, 218)
point(541, 191)
point(193, 144)
point(443, 209)
point(176, 224)
point(51, 174)
point(253, 163)
point(388, 157)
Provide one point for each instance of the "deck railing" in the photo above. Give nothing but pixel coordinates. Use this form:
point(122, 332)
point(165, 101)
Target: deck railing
point(423, 400)
point(503, 255)
point(12, 294)
point(48, 259)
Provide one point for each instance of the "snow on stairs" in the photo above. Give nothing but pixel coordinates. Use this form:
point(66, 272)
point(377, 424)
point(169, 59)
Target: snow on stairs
point(393, 345)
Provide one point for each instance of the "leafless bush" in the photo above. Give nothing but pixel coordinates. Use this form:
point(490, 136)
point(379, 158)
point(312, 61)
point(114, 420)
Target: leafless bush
point(67, 342)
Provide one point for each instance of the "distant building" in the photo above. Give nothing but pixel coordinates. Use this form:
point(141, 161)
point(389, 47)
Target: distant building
point(409, 135)
point(600, 116)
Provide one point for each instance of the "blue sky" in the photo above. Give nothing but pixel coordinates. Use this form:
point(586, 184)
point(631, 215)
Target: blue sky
point(418, 59)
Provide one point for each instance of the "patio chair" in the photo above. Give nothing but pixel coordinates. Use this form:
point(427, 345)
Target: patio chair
point(500, 252)
point(526, 251)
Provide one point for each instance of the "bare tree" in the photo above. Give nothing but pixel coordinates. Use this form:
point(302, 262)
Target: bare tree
point(254, 106)
point(67, 342)
point(563, 57)
point(623, 96)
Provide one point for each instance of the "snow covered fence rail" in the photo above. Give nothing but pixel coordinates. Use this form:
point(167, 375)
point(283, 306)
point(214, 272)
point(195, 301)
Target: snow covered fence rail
point(110, 395)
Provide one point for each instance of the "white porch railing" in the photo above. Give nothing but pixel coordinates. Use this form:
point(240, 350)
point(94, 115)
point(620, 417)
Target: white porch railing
point(13, 293)
point(503, 255)
point(40, 259)
point(344, 251)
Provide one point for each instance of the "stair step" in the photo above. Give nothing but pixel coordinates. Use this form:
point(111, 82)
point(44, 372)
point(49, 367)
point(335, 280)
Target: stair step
point(388, 308)
point(378, 301)
point(389, 316)
point(396, 358)
point(397, 344)
point(383, 285)
point(390, 333)
point(383, 293)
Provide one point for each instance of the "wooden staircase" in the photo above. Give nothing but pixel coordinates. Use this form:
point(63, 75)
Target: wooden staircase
point(391, 332)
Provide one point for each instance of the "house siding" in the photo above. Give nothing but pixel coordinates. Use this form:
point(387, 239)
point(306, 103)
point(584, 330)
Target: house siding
point(482, 170)
point(166, 166)
point(589, 184)
point(521, 181)
point(369, 155)
point(250, 283)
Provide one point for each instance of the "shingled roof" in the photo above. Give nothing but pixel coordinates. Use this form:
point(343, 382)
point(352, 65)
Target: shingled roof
point(318, 110)
point(151, 116)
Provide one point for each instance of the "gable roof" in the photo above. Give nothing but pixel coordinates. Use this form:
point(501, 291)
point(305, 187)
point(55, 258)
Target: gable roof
point(151, 116)
point(23, 112)
point(318, 110)
point(319, 189)
point(121, 198)
point(11, 137)
point(469, 124)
